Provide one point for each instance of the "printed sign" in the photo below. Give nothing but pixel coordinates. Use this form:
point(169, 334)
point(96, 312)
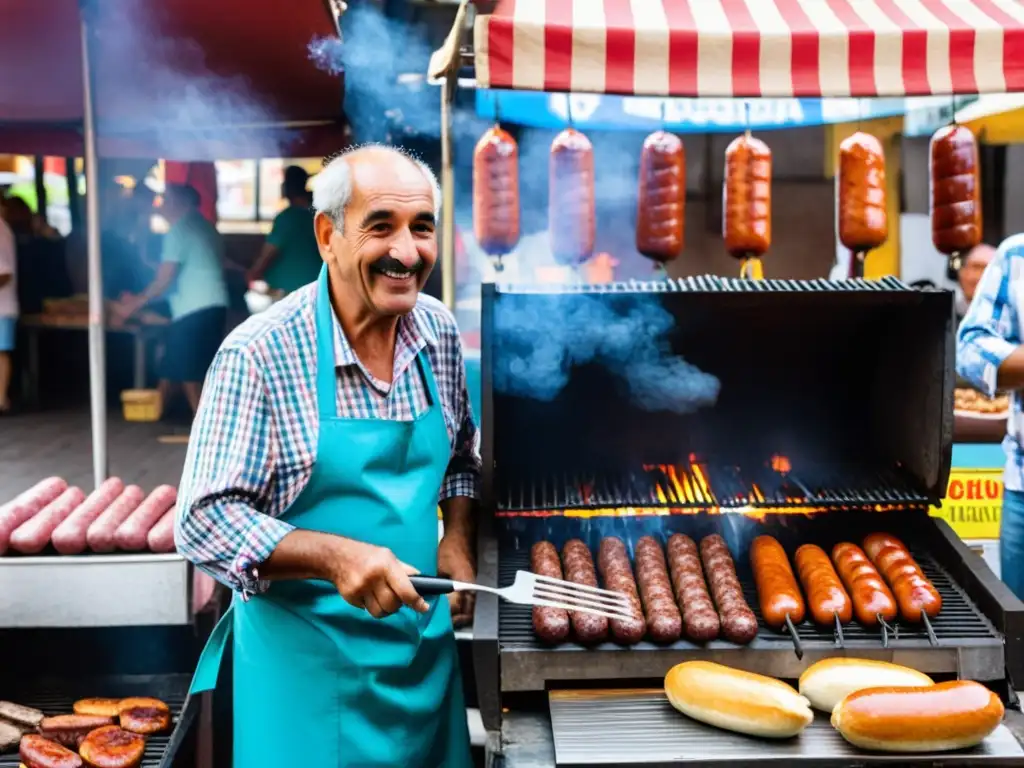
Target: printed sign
point(974, 503)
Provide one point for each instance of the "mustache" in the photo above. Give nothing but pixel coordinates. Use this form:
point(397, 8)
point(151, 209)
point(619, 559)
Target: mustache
point(391, 264)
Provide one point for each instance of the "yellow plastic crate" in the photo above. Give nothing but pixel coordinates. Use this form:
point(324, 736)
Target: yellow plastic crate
point(142, 404)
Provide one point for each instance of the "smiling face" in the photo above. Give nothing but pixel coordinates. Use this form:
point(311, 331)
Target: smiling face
point(387, 246)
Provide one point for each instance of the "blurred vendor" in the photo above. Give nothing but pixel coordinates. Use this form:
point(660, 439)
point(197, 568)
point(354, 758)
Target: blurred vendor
point(970, 273)
point(989, 355)
point(290, 258)
point(191, 277)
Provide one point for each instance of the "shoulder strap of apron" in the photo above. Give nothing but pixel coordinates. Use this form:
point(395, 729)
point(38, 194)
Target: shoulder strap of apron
point(427, 372)
point(326, 380)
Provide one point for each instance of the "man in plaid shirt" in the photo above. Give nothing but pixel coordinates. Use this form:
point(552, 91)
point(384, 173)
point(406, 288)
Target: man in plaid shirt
point(989, 355)
point(330, 428)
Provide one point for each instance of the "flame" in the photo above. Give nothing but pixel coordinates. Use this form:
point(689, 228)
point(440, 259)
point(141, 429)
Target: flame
point(781, 464)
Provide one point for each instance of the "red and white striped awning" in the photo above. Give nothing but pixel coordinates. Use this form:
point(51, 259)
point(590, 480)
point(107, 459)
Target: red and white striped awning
point(751, 48)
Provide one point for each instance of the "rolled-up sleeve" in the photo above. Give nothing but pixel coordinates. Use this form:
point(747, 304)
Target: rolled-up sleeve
point(988, 333)
point(463, 475)
point(226, 490)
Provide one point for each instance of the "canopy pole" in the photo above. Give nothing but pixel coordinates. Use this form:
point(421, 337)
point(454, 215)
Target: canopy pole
point(97, 332)
point(448, 191)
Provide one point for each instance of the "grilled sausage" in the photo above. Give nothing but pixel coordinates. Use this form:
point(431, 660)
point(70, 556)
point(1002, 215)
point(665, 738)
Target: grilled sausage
point(777, 588)
point(69, 730)
point(825, 594)
point(161, 536)
point(69, 537)
point(100, 535)
point(496, 192)
point(747, 198)
point(664, 622)
point(131, 534)
point(739, 624)
point(25, 505)
point(699, 616)
point(955, 190)
point(112, 747)
point(33, 535)
point(103, 707)
point(571, 205)
point(550, 624)
point(145, 720)
point(617, 575)
point(578, 567)
point(661, 211)
point(860, 194)
point(871, 597)
point(37, 751)
point(914, 591)
point(22, 716)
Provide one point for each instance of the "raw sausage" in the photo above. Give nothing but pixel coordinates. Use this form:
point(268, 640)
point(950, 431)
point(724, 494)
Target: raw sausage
point(776, 585)
point(131, 534)
point(699, 615)
point(617, 575)
point(550, 624)
point(860, 194)
point(15, 513)
point(496, 192)
point(955, 190)
point(69, 538)
point(664, 622)
point(825, 594)
point(161, 535)
point(32, 536)
point(100, 536)
point(871, 597)
point(739, 624)
point(914, 591)
point(37, 751)
point(578, 566)
point(112, 747)
point(571, 205)
point(661, 206)
point(747, 198)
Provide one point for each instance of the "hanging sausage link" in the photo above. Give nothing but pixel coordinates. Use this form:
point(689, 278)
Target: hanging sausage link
point(660, 221)
point(571, 204)
point(496, 192)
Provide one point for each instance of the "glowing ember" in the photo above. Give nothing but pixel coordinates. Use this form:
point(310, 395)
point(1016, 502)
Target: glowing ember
point(781, 464)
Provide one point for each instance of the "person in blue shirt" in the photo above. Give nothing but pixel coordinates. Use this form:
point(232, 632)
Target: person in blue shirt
point(191, 278)
point(990, 356)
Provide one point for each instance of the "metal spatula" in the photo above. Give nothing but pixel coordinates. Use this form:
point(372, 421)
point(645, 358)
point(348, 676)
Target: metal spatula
point(531, 589)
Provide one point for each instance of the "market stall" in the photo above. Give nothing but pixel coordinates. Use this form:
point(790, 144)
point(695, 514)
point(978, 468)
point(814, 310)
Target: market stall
point(837, 437)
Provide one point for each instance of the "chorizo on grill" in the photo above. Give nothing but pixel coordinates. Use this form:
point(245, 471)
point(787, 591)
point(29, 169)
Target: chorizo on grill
point(496, 192)
point(701, 621)
point(955, 190)
point(550, 624)
point(777, 588)
point(860, 193)
point(738, 622)
point(37, 751)
point(914, 592)
point(112, 747)
point(661, 210)
point(571, 198)
point(826, 597)
point(871, 597)
point(664, 622)
point(747, 198)
point(578, 567)
point(617, 575)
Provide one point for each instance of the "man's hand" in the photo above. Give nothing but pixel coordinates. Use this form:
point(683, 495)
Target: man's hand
point(372, 577)
point(126, 306)
point(455, 561)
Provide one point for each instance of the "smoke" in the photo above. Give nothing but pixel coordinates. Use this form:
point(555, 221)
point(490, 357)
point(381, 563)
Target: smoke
point(628, 335)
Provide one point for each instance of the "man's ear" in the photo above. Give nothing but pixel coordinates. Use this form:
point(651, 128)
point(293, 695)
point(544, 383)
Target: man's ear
point(325, 229)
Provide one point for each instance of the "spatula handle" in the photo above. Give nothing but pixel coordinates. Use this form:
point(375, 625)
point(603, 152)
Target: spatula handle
point(432, 585)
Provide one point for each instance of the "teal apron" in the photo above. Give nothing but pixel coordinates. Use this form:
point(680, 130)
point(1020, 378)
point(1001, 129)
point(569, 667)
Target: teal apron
point(317, 682)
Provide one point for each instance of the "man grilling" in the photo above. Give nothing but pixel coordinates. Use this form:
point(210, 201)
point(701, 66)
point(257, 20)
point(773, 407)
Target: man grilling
point(990, 356)
point(329, 428)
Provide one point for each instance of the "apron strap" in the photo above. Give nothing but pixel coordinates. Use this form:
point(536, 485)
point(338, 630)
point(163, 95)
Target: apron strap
point(208, 669)
point(427, 372)
point(326, 378)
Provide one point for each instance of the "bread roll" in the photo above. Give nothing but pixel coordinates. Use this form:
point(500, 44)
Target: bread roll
point(829, 681)
point(103, 707)
point(940, 718)
point(737, 701)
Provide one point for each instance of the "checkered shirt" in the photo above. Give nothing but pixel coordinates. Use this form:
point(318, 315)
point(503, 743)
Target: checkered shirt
point(988, 334)
point(254, 439)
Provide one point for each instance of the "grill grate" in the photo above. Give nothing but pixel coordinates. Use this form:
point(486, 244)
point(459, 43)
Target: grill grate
point(54, 701)
point(712, 284)
point(702, 486)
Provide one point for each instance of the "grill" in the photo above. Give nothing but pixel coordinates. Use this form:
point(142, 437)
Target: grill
point(830, 418)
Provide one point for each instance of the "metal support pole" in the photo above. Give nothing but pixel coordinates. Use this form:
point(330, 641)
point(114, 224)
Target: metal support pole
point(97, 331)
point(448, 191)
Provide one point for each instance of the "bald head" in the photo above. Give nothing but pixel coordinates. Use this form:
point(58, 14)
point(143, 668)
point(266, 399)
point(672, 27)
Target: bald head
point(973, 268)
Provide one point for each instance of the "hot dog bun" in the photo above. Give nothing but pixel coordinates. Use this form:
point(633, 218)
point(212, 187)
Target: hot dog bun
point(829, 681)
point(737, 701)
point(940, 718)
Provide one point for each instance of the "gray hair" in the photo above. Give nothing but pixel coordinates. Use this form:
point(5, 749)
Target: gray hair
point(332, 187)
